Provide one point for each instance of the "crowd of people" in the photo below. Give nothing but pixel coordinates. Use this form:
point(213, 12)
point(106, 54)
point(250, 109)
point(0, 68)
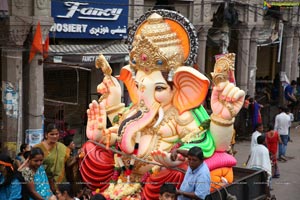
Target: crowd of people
point(39, 172)
point(270, 147)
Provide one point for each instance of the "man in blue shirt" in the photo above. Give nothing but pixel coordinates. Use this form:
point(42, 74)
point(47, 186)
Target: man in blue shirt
point(289, 94)
point(196, 182)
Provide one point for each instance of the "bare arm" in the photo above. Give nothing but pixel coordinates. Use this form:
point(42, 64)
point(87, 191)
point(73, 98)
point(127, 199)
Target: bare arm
point(190, 195)
point(33, 192)
point(279, 138)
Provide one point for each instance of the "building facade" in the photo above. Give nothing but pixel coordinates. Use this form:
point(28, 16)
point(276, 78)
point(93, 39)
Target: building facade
point(265, 39)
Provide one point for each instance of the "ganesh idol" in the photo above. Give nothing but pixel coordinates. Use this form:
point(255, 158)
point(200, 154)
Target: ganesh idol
point(132, 158)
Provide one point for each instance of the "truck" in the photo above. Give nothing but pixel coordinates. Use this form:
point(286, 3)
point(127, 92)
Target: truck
point(248, 184)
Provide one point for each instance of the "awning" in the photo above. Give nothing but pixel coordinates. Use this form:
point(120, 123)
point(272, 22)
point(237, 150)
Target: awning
point(84, 55)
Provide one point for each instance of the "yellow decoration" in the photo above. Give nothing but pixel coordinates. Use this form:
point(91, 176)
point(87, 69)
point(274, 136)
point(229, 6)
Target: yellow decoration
point(223, 66)
point(122, 189)
point(156, 47)
point(155, 170)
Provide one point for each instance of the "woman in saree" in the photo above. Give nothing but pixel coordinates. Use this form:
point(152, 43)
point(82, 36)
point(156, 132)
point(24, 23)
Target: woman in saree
point(55, 156)
point(35, 176)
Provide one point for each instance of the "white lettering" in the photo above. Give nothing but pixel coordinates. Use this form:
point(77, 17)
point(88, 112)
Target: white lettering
point(90, 12)
point(88, 58)
point(93, 58)
point(72, 10)
point(68, 28)
point(99, 30)
point(119, 30)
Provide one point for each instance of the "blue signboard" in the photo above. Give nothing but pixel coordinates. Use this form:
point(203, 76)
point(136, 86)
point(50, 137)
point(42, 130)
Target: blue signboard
point(102, 19)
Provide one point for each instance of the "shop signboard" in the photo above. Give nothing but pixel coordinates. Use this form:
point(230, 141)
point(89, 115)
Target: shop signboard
point(89, 19)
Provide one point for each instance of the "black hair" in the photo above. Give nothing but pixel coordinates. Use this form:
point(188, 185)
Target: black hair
point(26, 154)
point(258, 125)
point(50, 127)
point(261, 139)
point(294, 82)
point(23, 147)
point(10, 173)
point(166, 187)
point(283, 108)
point(196, 151)
point(35, 151)
point(98, 197)
point(67, 140)
point(270, 126)
point(165, 75)
point(66, 186)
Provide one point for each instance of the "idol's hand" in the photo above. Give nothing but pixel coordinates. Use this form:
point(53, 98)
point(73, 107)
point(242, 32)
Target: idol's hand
point(226, 100)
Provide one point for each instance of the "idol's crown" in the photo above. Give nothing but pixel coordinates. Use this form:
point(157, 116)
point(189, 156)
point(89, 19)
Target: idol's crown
point(157, 47)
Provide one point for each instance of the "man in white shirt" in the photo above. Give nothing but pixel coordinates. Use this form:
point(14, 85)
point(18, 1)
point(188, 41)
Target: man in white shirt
point(258, 131)
point(282, 124)
point(260, 159)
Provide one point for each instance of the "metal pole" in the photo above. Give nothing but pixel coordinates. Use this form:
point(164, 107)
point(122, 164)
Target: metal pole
point(280, 41)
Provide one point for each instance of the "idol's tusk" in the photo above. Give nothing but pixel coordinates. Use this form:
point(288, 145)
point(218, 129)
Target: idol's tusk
point(161, 114)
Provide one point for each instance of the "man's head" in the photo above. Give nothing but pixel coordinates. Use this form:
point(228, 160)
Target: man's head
point(283, 108)
point(195, 157)
point(261, 139)
point(167, 192)
point(259, 127)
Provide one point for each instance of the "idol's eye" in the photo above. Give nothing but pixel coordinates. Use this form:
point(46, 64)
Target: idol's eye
point(160, 88)
point(136, 84)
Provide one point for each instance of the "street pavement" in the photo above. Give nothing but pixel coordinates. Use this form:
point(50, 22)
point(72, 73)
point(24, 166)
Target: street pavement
point(286, 187)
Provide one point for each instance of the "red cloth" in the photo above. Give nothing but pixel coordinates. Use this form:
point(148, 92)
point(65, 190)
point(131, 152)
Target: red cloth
point(272, 144)
point(155, 181)
point(97, 166)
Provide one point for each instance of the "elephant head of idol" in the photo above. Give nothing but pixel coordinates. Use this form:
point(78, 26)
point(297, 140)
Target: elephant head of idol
point(157, 79)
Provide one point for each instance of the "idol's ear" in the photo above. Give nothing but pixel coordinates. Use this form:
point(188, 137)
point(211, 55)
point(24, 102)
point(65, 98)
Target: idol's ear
point(191, 88)
point(126, 77)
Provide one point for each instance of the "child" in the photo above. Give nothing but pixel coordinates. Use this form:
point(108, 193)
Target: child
point(64, 191)
point(272, 140)
point(167, 192)
point(98, 197)
point(35, 176)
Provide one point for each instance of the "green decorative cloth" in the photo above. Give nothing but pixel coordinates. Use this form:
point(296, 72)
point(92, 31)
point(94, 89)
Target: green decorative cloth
point(205, 141)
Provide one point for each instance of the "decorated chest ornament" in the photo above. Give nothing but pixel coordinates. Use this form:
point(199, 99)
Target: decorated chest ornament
point(162, 42)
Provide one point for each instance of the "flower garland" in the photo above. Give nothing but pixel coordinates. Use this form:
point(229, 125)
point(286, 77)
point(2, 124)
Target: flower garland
point(120, 185)
point(120, 163)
